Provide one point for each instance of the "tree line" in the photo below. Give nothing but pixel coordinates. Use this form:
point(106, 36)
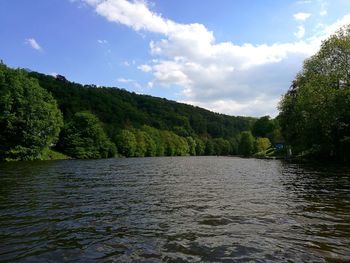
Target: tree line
point(40, 113)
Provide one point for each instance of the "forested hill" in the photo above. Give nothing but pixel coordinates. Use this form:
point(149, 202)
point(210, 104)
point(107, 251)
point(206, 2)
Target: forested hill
point(41, 116)
point(119, 109)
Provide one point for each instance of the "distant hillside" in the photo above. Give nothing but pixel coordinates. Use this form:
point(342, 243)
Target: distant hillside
point(41, 115)
point(119, 109)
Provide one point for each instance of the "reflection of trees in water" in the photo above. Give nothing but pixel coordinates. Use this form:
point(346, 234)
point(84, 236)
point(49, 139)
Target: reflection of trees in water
point(321, 207)
point(317, 183)
point(19, 175)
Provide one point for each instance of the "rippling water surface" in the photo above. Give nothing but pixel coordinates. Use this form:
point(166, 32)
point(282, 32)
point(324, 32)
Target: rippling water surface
point(185, 209)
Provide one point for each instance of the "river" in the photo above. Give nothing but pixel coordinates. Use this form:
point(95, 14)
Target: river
point(174, 209)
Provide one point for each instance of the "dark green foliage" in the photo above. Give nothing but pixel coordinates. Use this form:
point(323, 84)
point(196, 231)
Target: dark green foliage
point(209, 148)
point(84, 138)
point(200, 146)
point(29, 118)
point(234, 142)
point(263, 127)
point(221, 146)
point(127, 143)
point(147, 126)
point(139, 125)
point(119, 109)
point(156, 147)
point(246, 144)
point(192, 145)
point(315, 112)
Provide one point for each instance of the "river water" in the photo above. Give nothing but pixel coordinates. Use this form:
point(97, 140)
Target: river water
point(183, 209)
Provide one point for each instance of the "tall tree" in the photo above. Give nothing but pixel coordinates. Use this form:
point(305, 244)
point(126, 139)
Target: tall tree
point(84, 138)
point(246, 144)
point(315, 112)
point(263, 127)
point(126, 143)
point(29, 118)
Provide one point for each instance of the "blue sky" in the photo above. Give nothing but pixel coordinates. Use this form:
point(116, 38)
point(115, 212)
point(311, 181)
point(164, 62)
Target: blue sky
point(229, 56)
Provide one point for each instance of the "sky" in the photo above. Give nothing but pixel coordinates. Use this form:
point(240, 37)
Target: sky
point(236, 57)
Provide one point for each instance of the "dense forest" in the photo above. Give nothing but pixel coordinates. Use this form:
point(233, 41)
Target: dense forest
point(85, 121)
point(315, 112)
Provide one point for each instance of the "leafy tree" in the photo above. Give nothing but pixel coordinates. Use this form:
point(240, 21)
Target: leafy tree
point(209, 147)
point(156, 141)
point(151, 147)
point(192, 145)
point(200, 146)
point(84, 138)
point(261, 144)
point(141, 144)
point(315, 112)
point(221, 146)
point(126, 143)
point(234, 142)
point(246, 144)
point(263, 127)
point(182, 147)
point(29, 118)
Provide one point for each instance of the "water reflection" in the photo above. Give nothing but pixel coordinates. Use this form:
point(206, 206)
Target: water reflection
point(321, 199)
point(190, 209)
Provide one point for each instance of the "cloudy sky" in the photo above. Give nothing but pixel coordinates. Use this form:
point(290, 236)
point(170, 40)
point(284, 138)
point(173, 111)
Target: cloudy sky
point(230, 56)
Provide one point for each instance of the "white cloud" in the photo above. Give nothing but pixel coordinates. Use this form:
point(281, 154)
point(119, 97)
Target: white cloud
point(301, 32)
point(134, 83)
point(323, 12)
point(33, 44)
point(303, 2)
point(123, 80)
point(150, 84)
point(125, 63)
point(145, 68)
point(301, 16)
point(102, 41)
point(331, 29)
point(256, 108)
point(324, 5)
point(133, 14)
point(225, 77)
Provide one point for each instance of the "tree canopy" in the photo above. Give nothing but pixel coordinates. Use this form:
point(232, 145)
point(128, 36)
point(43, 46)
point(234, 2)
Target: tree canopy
point(315, 112)
point(119, 109)
point(246, 145)
point(97, 119)
point(84, 138)
point(30, 120)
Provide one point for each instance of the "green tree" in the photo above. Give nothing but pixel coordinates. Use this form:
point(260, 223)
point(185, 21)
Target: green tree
point(83, 137)
point(200, 146)
point(261, 144)
point(141, 144)
point(126, 143)
point(156, 141)
point(151, 147)
point(192, 145)
point(315, 112)
point(221, 146)
point(263, 127)
point(234, 142)
point(246, 144)
point(209, 147)
point(29, 118)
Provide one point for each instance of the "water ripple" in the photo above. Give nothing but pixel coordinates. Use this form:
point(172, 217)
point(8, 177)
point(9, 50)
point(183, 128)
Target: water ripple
point(186, 209)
